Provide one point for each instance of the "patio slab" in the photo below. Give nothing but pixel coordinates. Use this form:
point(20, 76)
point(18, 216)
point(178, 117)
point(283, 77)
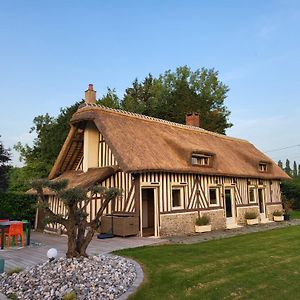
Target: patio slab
point(29, 256)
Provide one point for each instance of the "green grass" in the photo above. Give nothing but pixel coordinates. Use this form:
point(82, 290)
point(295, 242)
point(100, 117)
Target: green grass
point(263, 265)
point(295, 214)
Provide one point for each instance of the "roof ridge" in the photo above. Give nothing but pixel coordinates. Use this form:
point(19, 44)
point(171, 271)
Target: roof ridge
point(144, 117)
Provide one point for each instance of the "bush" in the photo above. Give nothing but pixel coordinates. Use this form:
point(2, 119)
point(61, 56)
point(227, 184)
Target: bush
point(277, 213)
point(204, 220)
point(249, 215)
point(17, 206)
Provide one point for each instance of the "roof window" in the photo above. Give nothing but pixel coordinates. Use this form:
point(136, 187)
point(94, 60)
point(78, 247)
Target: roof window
point(201, 159)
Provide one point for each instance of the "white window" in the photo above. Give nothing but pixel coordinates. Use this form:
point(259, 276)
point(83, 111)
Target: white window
point(201, 159)
point(177, 197)
point(213, 196)
point(252, 194)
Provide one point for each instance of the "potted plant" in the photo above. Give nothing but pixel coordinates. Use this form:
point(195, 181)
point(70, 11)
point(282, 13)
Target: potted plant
point(278, 216)
point(202, 224)
point(251, 218)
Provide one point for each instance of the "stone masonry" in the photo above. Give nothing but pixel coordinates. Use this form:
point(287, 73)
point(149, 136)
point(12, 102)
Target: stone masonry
point(184, 223)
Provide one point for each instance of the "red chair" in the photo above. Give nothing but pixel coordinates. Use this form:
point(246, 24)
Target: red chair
point(15, 230)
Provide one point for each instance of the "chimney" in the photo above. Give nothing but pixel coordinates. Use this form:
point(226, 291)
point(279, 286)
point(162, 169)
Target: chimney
point(192, 119)
point(90, 95)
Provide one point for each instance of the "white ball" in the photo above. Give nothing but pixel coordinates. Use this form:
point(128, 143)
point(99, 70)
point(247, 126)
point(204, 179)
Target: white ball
point(52, 253)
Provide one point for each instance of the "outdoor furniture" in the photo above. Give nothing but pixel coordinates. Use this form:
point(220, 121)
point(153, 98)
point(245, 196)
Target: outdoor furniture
point(5, 225)
point(120, 224)
point(15, 230)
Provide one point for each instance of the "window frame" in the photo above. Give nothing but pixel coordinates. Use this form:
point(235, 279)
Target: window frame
point(181, 188)
point(263, 167)
point(252, 187)
point(197, 158)
point(217, 196)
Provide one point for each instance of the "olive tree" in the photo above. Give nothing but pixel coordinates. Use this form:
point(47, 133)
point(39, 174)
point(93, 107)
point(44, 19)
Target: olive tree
point(79, 229)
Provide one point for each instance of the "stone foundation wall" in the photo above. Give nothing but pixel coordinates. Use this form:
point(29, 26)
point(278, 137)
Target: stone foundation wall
point(271, 209)
point(241, 213)
point(184, 223)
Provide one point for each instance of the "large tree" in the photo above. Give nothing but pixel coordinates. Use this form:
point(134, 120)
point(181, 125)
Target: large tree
point(5, 158)
point(173, 94)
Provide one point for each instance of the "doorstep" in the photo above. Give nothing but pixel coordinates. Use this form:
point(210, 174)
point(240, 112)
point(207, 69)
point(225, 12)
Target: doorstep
point(265, 221)
point(233, 226)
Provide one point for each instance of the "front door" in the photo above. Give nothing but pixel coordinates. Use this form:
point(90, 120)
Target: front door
point(148, 211)
point(229, 206)
point(261, 203)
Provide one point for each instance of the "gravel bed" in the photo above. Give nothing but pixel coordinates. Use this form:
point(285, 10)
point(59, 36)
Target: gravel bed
point(96, 277)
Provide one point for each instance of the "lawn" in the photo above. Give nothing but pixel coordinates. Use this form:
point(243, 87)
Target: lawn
point(263, 265)
point(295, 214)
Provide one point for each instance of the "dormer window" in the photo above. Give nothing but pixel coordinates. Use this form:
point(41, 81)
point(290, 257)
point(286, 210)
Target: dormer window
point(201, 159)
point(263, 167)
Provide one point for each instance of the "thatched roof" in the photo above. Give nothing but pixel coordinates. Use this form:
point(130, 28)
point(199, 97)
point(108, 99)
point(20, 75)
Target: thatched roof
point(81, 179)
point(142, 143)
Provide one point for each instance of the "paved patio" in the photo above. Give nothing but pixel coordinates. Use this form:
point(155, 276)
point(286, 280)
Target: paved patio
point(35, 254)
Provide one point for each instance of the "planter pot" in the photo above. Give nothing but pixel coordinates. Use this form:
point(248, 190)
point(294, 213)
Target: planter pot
point(203, 228)
point(278, 218)
point(252, 221)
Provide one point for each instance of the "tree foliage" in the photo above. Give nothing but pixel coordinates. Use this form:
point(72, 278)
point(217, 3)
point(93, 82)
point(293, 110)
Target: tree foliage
point(173, 94)
point(291, 188)
point(5, 157)
point(79, 230)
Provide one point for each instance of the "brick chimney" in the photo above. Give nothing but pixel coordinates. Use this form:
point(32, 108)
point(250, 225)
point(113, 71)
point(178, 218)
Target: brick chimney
point(192, 119)
point(90, 95)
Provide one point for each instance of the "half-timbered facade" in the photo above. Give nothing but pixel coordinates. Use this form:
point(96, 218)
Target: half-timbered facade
point(169, 173)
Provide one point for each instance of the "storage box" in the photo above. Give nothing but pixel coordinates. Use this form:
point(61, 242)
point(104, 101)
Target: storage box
point(123, 224)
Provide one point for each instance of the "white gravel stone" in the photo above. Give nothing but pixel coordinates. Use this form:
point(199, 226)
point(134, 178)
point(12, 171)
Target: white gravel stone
point(96, 277)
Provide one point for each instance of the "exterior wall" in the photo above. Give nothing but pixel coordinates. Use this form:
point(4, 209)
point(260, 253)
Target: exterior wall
point(90, 147)
point(241, 213)
point(106, 157)
point(272, 208)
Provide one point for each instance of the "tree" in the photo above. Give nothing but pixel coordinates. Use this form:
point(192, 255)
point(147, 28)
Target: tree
point(5, 158)
point(173, 94)
point(79, 231)
point(295, 169)
point(287, 168)
point(110, 99)
point(51, 134)
point(280, 164)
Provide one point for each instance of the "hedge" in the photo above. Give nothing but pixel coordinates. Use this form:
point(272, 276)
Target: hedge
point(17, 206)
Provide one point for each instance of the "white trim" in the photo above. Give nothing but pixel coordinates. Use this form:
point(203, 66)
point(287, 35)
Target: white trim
point(217, 188)
point(182, 189)
point(254, 188)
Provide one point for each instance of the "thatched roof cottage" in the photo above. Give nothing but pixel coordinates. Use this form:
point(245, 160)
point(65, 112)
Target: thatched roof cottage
point(170, 173)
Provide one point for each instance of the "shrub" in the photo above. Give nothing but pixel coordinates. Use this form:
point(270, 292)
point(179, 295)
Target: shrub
point(17, 206)
point(277, 213)
point(250, 215)
point(204, 220)
point(14, 271)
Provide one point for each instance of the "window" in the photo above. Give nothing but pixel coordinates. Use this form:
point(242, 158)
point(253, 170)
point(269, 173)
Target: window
point(201, 159)
point(252, 196)
point(213, 196)
point(263, 167)
point(177, 196)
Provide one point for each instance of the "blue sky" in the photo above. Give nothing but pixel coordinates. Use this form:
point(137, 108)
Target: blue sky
point(51, 50)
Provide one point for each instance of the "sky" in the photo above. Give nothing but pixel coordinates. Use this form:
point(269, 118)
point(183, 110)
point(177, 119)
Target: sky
point(51, 50)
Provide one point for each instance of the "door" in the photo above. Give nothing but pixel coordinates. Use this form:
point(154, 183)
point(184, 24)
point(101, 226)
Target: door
point(229, 206)
point(261, 203)
point(148, 211)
